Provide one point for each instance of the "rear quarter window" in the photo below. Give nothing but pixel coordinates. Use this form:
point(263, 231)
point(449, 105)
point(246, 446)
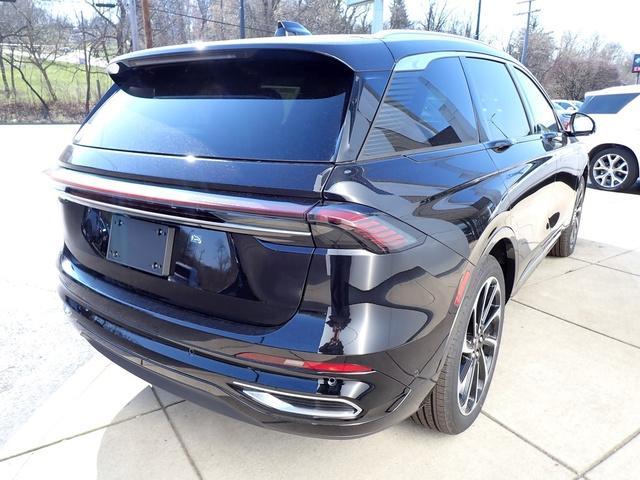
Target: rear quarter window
point(423, 109)
point(607, 104)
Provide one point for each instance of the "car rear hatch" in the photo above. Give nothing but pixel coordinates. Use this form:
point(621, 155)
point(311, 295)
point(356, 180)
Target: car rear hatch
point(191, 181)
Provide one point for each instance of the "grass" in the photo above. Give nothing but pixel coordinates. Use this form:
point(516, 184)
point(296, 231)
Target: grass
point(68, 82)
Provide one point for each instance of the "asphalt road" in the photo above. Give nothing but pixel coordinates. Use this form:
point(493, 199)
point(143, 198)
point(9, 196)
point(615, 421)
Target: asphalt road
point(39, 349)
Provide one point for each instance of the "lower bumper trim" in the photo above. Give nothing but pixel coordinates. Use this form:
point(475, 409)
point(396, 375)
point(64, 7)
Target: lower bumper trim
point(309, 406)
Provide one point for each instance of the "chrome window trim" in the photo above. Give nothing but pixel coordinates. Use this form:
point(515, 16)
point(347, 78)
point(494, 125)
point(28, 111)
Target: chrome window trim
point(421, 61)
point(269, 398)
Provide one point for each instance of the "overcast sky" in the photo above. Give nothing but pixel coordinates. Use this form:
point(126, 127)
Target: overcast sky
point(614, 20)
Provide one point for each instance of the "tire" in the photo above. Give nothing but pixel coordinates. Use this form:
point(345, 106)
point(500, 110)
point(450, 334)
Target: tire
point(613, 169)
point(445, 409)
point(566, 244)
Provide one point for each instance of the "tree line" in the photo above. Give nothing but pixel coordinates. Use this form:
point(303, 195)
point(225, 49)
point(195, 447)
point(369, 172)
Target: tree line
point(53, 53)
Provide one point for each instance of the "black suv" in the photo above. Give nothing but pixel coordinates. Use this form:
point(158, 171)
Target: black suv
point(315, 234)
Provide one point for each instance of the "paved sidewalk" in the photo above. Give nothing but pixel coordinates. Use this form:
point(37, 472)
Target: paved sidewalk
point(563, 403)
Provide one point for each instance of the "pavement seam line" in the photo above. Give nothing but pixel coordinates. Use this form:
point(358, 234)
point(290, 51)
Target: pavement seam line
point(617, 269)
point(616, 255)
point(530, 443)
point(177, 434)
point(538, 282)
point(597, 262)
point(80, 434)
point(611, 452)
point(519, 302)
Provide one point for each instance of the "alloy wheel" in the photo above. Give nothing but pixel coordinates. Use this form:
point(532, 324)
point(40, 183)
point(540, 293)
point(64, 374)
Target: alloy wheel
point(577, 216)
point(610, 170)
point(480, 345)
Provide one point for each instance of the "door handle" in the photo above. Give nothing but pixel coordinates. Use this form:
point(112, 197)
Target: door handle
point(501, 145)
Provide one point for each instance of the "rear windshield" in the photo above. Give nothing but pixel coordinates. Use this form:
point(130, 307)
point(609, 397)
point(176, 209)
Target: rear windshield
point(607, 103)
point(262, 105)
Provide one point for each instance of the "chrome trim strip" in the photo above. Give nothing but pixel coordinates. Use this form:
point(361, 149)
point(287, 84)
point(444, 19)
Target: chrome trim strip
point(195, 222)
point(420, 61)
point(173, 196)
point(268, 398)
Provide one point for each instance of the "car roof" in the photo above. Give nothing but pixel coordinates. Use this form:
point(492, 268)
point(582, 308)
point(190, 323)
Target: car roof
point(360, 52)
point(614, 90)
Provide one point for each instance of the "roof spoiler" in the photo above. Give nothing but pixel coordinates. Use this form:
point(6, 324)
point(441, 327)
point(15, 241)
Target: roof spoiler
point(287, 28)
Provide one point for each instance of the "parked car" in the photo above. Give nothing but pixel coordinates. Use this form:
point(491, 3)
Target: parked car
point(570, 106)
point(563, 115)
point(615, 148)
point(315, 234)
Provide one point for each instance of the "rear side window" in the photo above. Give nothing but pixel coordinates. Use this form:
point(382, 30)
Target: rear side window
point(603, 104)
point(544, 120)
point(498, 102)
point(257, 105)
point(422, 109)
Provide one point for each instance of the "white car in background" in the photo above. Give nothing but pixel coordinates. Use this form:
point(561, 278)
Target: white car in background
point(570, 106)
point(615, 147)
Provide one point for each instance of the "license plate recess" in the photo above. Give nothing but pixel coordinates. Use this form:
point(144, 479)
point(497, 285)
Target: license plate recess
point(140, 244)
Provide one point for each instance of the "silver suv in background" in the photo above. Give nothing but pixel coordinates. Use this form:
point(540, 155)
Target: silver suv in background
point(615, 148)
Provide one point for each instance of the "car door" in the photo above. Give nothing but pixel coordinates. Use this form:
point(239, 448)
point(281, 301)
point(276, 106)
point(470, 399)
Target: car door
point(569, 163)
point(523, 156)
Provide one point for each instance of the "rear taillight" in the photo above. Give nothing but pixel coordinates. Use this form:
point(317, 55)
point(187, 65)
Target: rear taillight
point(290, 221)
point(357, 226)
point(327, 367)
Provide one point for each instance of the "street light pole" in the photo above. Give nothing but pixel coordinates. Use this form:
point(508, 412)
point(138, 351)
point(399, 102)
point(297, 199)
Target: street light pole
point(478, 20)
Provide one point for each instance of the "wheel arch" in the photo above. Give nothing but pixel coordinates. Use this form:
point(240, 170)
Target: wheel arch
point(502, 246)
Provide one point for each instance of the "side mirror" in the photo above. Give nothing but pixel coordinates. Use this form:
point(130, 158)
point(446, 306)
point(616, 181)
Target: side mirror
point(581, 124)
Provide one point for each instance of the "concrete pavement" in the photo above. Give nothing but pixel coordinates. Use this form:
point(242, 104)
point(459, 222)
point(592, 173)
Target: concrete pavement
point(563, 403)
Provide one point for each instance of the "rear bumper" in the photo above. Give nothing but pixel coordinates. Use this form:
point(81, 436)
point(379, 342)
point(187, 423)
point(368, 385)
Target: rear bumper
point(213, 379)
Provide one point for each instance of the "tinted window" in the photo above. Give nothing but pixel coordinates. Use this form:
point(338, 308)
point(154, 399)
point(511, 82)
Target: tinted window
point(424, 108)
point(607, 103)
point(271, 105)
point(498, 101)
point(544, 119)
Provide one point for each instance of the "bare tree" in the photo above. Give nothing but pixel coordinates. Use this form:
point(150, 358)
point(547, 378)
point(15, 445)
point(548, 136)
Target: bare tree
point(581, 66)
point(114, 26)
point(41, 38)
point(16, 64)
point(437, 17)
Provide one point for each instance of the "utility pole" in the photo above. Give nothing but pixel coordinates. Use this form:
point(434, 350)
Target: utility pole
point(133, 23)
point(477, 37)
point(242, 33)
point(146, 24)
point(525, 44)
